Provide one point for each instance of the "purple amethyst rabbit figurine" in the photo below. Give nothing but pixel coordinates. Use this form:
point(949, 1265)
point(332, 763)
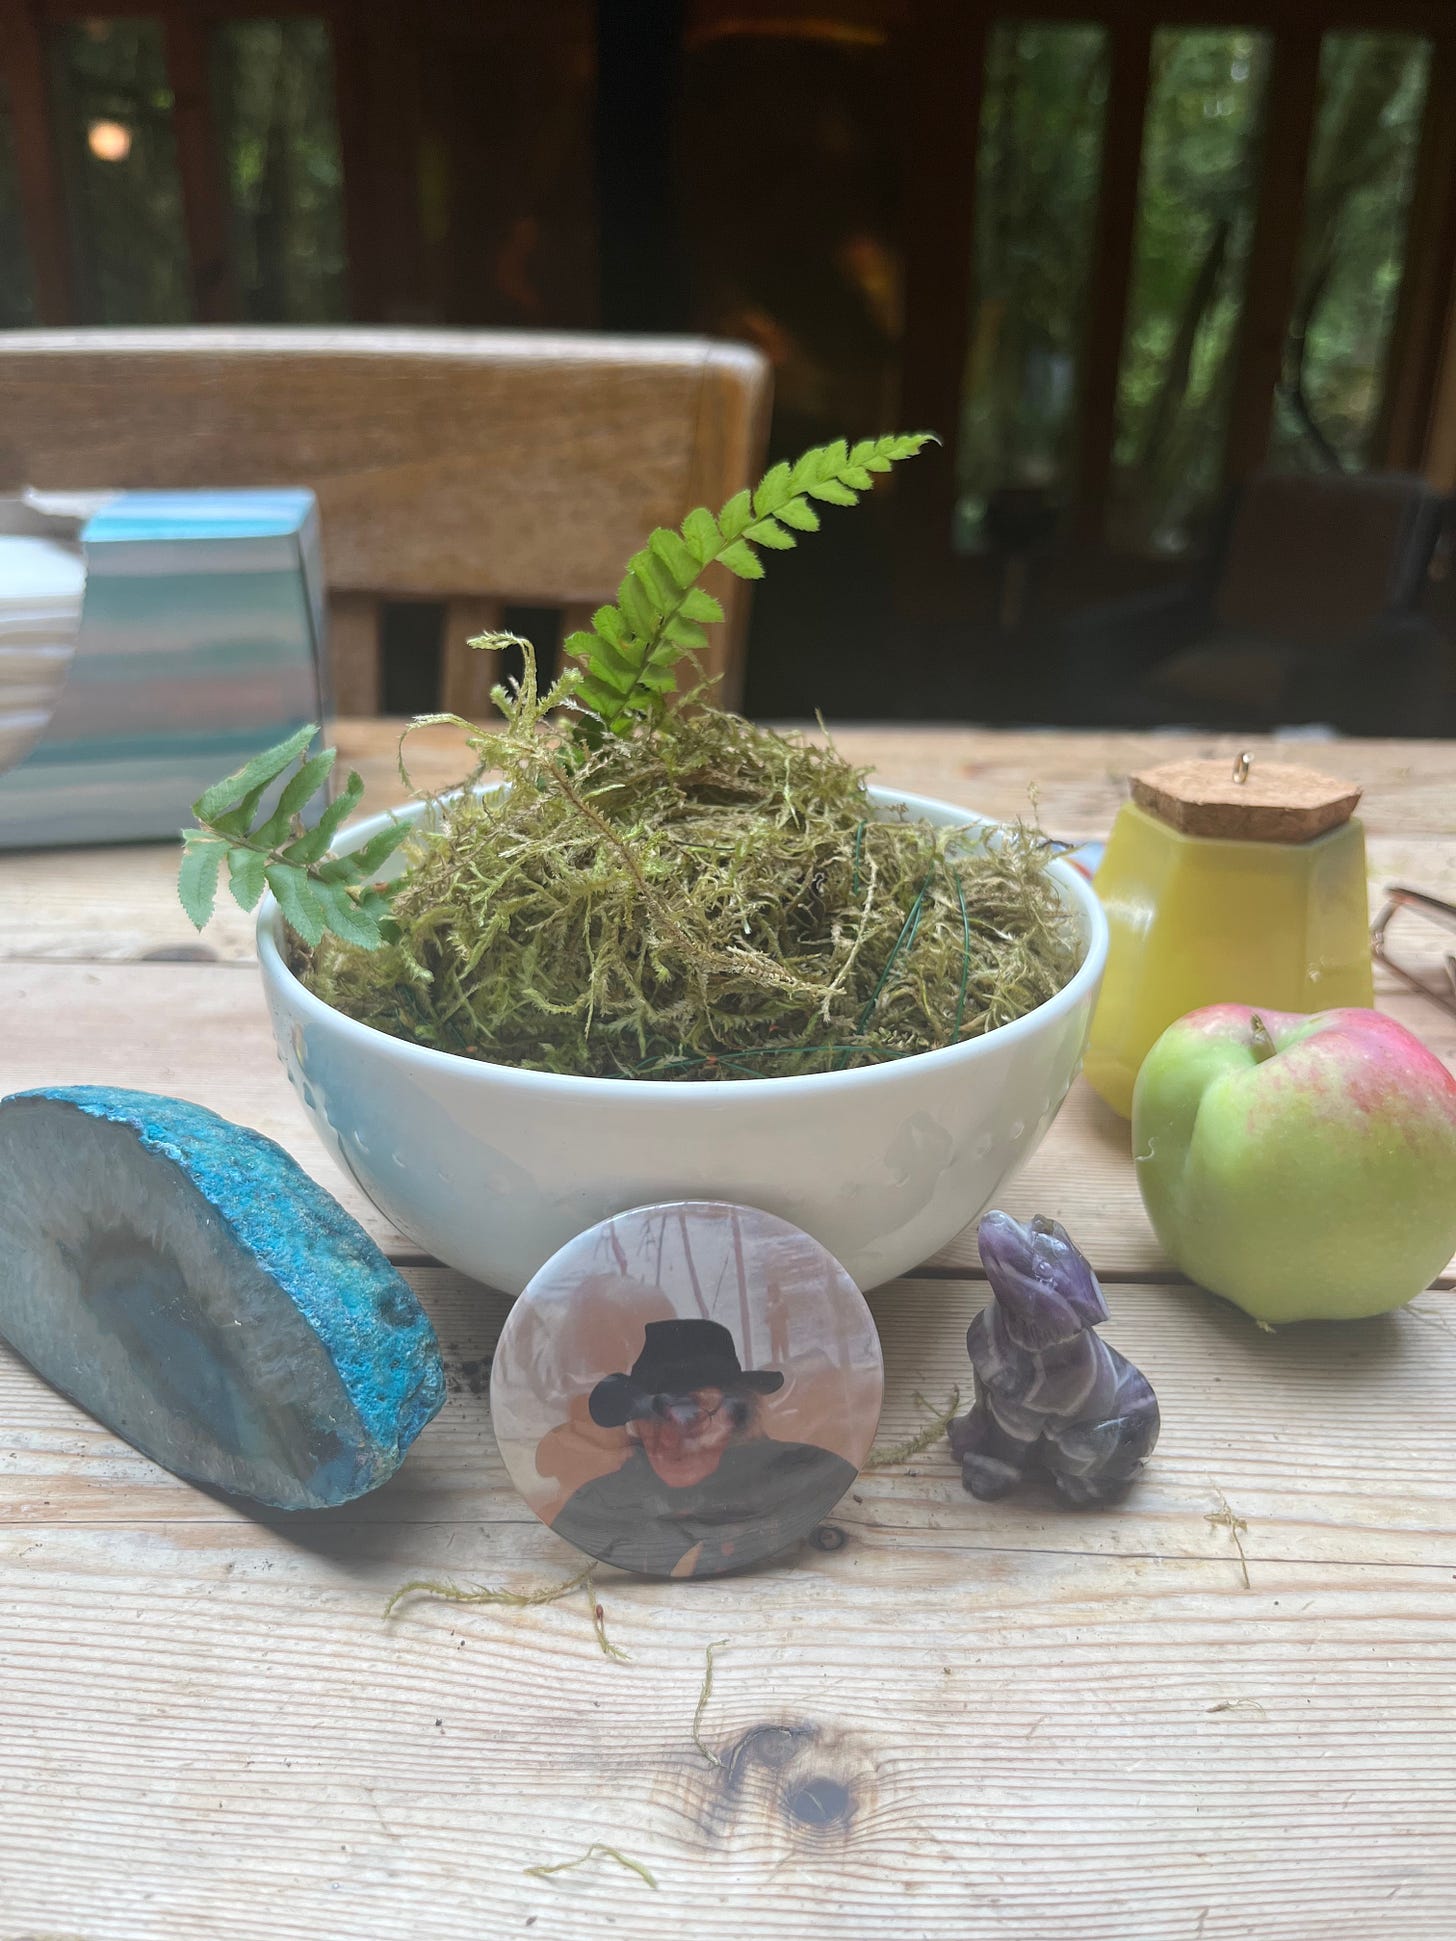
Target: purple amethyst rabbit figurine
point(1053, 1400)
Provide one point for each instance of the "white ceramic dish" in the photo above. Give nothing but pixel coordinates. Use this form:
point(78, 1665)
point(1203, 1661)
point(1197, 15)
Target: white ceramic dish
point(491, 1169)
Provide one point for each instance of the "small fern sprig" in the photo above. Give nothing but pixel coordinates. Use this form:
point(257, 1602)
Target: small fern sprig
point(630, 653)
point(271, 849)
point(627, 666)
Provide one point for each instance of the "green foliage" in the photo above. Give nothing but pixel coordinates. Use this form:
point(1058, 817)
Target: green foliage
point(278, 142)
point(1352, 258)
point(1199, 187)
point(709, 900)
point(1038, 165)
point(629, 661)
point(1037, 176)
point(271, 848)
point(630, 654)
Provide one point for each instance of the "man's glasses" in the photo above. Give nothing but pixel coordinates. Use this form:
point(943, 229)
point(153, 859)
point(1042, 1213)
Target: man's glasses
point(1440, 985)
point(685, 1410)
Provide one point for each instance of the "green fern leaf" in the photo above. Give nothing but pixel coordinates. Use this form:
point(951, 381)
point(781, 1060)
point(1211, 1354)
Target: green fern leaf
point(701, 535)
point(253, 776)
point(737, 515)
point(767, 532)
point(309, 847)
point(832, 492)
point(197, 878)
point(686, 634)
point(306, 784)
point(773, 489)
point(630, 653)
point(238, 821)
point(307, 881)
point(638, 609)
point(672, 551)
point(655, 580)
point(345, 917)
point(602, 700)
point(609, 624)
point(300, 901)
point(798, 513)
point(740, 558)
point(607, 660)
point(374, 854)
point(245, 876)
point(698, 605)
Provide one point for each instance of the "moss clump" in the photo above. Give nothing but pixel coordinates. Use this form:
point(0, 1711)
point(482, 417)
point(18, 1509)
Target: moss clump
point(700, 899)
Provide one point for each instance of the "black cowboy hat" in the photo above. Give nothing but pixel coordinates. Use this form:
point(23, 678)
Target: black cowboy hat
point(677, 1357)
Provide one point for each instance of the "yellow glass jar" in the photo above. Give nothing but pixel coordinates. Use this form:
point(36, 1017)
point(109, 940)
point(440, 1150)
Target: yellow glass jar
point(1197, 919)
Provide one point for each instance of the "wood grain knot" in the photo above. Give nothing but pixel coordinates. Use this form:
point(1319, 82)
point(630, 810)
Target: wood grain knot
point(800, 1782)
point(819, 1802)
point(829, 1537)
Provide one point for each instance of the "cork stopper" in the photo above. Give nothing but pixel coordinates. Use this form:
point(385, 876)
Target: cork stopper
point(1246, 800)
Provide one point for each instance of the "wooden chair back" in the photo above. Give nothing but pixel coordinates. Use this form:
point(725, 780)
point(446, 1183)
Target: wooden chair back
point(472, 467)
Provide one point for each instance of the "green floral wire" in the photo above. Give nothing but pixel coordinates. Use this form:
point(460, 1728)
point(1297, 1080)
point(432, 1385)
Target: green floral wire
point(901, 943)
point(955, 877)
point(882, 1054)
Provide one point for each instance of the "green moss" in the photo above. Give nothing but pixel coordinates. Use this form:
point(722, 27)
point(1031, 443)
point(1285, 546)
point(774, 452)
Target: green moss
point(700, 899)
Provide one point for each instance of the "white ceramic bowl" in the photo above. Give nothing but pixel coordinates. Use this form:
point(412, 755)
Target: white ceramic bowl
point(491, 1169)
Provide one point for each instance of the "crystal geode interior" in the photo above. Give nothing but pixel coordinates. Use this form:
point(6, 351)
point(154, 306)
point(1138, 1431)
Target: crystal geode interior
point(187, 1283)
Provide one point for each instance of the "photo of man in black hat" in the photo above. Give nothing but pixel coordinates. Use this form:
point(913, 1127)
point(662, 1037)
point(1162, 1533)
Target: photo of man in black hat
point(703, 1487)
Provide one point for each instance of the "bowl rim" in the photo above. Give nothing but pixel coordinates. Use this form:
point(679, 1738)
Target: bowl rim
point(1076, 889)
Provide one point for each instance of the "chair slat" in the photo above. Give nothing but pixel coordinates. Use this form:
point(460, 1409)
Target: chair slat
point(355, 661)
point(448, 464)
point(467, 675)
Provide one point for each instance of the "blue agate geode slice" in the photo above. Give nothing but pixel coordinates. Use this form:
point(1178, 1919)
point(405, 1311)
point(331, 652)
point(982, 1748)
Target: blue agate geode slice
point(188, 1283)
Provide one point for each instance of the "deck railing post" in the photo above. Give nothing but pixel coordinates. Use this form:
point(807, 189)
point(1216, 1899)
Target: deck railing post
point(205, 217)
point(42, 200)
point(1290, 101)
point(1130, 44)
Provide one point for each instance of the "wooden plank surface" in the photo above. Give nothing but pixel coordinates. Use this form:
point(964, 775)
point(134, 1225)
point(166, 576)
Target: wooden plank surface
point(939, 1719)
point(211, 1728)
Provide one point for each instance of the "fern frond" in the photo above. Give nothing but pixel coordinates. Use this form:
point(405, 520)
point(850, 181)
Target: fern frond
point(315, 890)
point(631, 649)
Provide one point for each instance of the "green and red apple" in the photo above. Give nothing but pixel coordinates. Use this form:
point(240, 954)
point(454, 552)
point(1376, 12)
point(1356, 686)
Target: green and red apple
point(1303, 1167)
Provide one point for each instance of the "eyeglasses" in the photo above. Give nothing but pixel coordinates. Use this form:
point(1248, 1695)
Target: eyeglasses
point(684, 1410)
point(1442, 988)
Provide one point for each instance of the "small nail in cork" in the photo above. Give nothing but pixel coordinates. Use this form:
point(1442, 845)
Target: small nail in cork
point(1245, 799)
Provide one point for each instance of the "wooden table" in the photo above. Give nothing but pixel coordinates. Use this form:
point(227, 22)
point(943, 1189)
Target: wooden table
point(1223, 1710)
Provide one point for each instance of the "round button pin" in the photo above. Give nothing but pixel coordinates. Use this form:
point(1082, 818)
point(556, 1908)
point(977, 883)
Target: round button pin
point(687, 1389)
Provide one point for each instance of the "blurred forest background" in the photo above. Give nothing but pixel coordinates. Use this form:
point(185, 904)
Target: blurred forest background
point(1041, 137)
point(779, 174)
